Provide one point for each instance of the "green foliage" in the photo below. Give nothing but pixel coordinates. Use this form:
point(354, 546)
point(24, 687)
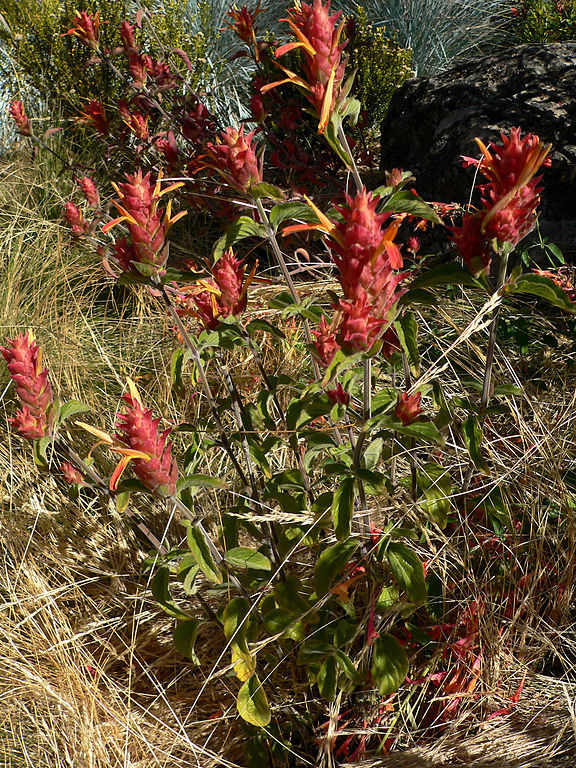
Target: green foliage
point(381, 65)
point(544, 21)
point(61, 71)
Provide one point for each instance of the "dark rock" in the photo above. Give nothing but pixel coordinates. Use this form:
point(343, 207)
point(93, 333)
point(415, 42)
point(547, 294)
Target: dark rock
point(432, 121)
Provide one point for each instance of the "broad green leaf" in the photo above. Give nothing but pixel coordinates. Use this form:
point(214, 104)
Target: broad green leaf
point(265, 190)
point(244, 664)
point(289, 596)
point(285, 211)
point(327, 679)
point(388, 597)
point(313, 651)
point(39, 450)
point(122, 501)
point(347, 666)
point(331, 563)
point(161, 593)
point(389, 664)
point(252, 703)
point(185, 636)
point(266, 327)
point(343, 507)
point(445, 274)
point(544, 288)
point(281, 300)
point(258, 455)
point(405, 201)
point(408, 570)
point(243, 557)
point(434, 482)
point(201, 552)
point(407, 330)
point(71, 408)
point(301, 411)
point(372, 453)
point(243, 227)
point(199, 481)
point(473, 439)
point(507, 389)
point(235, 621)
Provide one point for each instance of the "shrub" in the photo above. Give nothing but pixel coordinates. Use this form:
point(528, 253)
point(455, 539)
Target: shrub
point(543, 21)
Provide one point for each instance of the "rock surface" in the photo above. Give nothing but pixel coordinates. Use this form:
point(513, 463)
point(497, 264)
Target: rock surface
point(431, 122)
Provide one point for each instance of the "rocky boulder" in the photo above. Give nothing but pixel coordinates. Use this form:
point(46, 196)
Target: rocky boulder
point(432, 121)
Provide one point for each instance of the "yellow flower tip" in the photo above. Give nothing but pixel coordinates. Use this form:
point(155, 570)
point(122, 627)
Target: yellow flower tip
point(100, 434)
point(134, 394)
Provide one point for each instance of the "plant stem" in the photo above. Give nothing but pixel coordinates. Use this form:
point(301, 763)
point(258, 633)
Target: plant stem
point(487, 382)
point(412, 441)
point(205, 385)
point(285, 272)
point(353, 166)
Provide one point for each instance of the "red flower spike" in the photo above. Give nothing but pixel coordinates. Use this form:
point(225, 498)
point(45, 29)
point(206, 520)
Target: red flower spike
point(24, 359)
point(326, 344)
point(408, 408)
point(242, 24)
point(75, 219)
point(71, 475)
point(127, 36)
point(472, 243)
point(90, 191)
point(135, 121)
point(358, 328)
point(18, 113)
point(226, 294)
point(235, 159)
point(318, 36)
point(95, 115)
point(338, 395)
point(138, 431)
point(146, 224)
point(87, 28)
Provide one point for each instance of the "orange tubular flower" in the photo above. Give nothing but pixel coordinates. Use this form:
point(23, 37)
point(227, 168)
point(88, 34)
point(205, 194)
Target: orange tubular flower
point(318, 36)
point(24, 359)
point(226, 294)
point(139, 440)
point(87, 28)
point(139, 209)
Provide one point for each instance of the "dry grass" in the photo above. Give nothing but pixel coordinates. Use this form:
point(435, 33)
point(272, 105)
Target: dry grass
point(88, 674)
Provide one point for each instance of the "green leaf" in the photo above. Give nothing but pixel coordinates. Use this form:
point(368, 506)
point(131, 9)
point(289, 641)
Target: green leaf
point(266, 191)
point(161, 593)
point(330, 564)
point(122, 501)
point(199, 481)
point(473, 439)
point(285, 211)
point(372, 453)
point(408, 570)
point(258, 455)
point(243, 557)
point(407, 330)
point(71, 408)
point(303, 410)
point(434, 482)
point(343, 507)
point(389, 664)
point(176, 368)
point(185, 636)
point(39, 450)
point(252, 703)
point(243, 227)
point(445, 274)
point(201, 552)
point(507, 389)
point(347, 666)
point(405, 201)
point(266, 327)
point(327, 679)
point(235, 621)
point(544, 288)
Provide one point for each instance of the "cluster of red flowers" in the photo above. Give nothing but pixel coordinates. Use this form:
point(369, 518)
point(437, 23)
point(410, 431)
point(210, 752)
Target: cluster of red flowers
point(509, 198)
point(147, 224)
point(24, 359)
point(367, 257)
point(234, 157)
point(224, 295)
point(318, 36)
